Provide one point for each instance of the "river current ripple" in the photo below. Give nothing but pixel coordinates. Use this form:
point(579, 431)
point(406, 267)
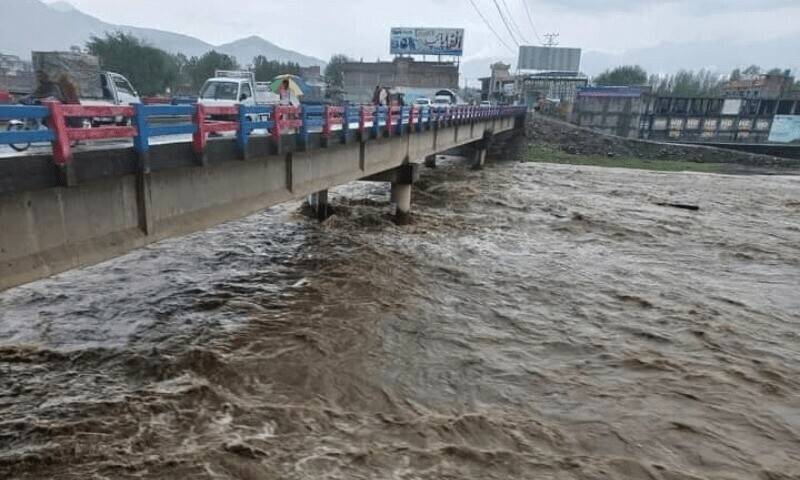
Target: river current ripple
point(531, 321)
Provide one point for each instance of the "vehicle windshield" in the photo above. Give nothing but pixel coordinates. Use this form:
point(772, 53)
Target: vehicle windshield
point(220, 91)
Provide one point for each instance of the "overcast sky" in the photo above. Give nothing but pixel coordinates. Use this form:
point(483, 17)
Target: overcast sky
point(360, 28)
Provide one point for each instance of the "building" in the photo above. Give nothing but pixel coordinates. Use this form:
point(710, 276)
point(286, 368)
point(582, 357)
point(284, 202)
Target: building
point(311, 74)
point(635, 112)
point(715, 120)
point(558, 86)
point(16, 75)
point(531, 88)
point(611, 110)
point(500, 86)
point(759, 86)
point(403, 74)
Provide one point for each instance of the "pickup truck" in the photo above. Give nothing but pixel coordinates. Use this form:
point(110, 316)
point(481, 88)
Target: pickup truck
point(76, 78)
point(231, 88)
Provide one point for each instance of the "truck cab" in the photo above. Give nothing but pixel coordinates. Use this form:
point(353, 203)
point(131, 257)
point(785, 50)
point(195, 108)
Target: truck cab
point(230, 88)
point(117, 89)
point(225, 91)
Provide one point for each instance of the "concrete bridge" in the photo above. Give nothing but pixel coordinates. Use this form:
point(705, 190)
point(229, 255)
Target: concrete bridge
point(69, 209)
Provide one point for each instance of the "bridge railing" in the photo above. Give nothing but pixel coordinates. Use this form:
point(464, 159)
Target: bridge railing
point(65, 132)
point(59, 124)
point(26, 115)
point(145, 131)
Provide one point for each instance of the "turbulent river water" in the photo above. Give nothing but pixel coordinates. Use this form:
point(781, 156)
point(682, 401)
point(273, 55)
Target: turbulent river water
point(531, 321)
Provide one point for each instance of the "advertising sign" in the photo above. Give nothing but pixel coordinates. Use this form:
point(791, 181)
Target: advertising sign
point(555, 59)
point(785, 129)
point(732, 106)
point(427, 41)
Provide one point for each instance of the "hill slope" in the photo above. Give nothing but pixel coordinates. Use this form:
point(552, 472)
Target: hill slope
point(32, 25)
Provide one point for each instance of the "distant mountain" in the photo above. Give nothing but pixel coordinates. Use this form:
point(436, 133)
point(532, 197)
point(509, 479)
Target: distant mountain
point(33, 25)
point(248, 48)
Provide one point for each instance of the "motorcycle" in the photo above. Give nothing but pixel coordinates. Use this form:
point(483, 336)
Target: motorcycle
point(35, 124)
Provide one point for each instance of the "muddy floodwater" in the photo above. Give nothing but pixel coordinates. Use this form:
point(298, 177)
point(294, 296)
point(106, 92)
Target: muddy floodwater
point(531, 322)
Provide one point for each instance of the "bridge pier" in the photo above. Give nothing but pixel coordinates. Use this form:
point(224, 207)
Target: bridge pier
point(480, 149)
point(478, 158)
point(401, 199)
point(401, 178)
point(318, 201)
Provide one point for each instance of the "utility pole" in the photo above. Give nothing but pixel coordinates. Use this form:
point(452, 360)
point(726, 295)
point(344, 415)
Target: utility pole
point(552, 39)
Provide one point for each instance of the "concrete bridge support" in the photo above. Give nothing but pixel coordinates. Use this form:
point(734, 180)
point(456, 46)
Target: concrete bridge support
point(401, 199)
point(479, 149)
point(318, 201)
point(401, 178)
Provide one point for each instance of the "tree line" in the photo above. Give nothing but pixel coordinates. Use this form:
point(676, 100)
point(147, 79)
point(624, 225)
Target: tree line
point(153, 71)
point(683, 83)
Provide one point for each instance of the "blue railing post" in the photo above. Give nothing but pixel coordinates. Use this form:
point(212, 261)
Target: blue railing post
point(376, 122)
point(243, 131)
point(141, 142)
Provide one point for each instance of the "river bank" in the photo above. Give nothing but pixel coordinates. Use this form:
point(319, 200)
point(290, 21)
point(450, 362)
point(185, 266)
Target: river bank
point(554, 141)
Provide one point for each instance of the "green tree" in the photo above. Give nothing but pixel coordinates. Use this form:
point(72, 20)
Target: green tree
point(265, 70)
point(150, 70)
point(736, 74)
point(334, 73)
point(752, 70)
point(622, 76)
point(688, 83)
point(198, 70)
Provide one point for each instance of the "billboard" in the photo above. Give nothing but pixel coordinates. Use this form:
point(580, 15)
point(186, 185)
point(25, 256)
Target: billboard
point(427, 41)
point(785, 129)
point(732, 106)
point(549, 58)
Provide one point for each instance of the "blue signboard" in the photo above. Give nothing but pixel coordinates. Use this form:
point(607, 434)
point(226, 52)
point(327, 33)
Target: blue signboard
point(785, 129)
point(427, 41)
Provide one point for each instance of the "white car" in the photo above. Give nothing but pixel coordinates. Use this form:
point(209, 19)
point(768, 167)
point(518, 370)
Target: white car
point(442, 100)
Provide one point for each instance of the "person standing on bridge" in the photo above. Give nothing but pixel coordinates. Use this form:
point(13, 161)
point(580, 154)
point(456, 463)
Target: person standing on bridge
point(285, 93)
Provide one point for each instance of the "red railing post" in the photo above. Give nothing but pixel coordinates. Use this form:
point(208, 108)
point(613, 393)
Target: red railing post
point(199, 136)
point(276, 124)
point(411, 114)
point(326, 122)
point(57, 124)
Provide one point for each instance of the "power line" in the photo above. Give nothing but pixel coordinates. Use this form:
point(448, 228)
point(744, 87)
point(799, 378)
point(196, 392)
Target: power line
point(530, 19)
point(480, 14)
point(505, 22)
point(510, 15)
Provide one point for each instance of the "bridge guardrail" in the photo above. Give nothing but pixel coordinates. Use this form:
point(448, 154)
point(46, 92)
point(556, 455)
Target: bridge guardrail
point(24, 113)
point(277, 120)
